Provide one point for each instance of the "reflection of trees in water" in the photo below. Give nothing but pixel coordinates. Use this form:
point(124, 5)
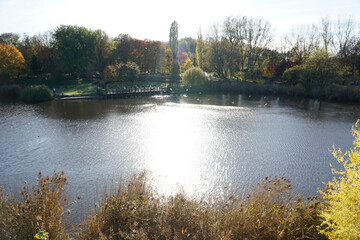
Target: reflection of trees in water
point(92, 109)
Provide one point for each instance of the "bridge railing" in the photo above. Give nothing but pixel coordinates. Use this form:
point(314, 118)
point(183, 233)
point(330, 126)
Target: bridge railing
point(132, 90)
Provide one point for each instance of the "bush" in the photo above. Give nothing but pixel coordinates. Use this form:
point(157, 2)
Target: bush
point(36, 93)
point(194, 76)
point(126, 72)
point(341, 211)
point(129, 71)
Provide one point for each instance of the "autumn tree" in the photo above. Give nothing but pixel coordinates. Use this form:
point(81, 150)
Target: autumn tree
point(11, 60)
point(341, 209)
point(187, 65)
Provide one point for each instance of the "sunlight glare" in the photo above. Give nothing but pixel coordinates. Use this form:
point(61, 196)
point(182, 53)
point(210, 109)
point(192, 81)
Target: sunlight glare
point(174, 149)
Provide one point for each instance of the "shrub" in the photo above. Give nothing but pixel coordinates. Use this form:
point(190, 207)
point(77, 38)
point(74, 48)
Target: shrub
point(37, 211)
point(129, 71)
point(341, 211)
point(126, 72)
point(194, 76)
point(36, 93)
point(293, 75)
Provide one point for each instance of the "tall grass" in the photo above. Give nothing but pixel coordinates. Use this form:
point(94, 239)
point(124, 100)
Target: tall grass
point(270, 211)
point(35, 209)
point(134, 211)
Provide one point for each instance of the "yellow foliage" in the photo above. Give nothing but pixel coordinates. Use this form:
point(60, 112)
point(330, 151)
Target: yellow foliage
point(11, 59)
point(187, 65)
point(341, 211)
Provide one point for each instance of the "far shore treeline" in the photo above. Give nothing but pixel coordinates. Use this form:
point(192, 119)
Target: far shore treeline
point(237, 49)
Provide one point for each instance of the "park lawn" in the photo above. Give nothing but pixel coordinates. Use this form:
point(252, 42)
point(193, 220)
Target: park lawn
point(77, 88)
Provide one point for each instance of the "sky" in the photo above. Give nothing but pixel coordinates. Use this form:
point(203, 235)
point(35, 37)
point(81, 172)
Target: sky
point(151, 19)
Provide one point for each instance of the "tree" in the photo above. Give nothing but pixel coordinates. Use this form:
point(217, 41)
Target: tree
point(200, 50)
point(302, 41)
point(258, 38)
point(75, 47)
point(187, 65)
point(10, 38)
point(168, 62)
point(216, 54)
point(11, 60)
point(122, 49)
point(173, 41)
point(341, 210)
point(235, 35)
point(102, 51)
point(121, 71)
point(323, 67)
point(35, 65)
point(326, 34)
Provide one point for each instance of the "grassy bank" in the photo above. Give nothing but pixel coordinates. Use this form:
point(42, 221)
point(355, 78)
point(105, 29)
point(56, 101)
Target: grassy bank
point(134, 211)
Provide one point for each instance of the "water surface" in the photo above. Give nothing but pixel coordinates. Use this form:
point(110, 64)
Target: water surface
point(198, 144)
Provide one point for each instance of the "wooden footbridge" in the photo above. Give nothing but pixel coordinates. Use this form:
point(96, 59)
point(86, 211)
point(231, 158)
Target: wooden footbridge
point(132, 92)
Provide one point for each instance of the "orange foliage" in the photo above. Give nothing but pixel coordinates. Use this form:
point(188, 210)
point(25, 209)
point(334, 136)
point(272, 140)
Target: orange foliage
point(182, 58)
point(11, 59)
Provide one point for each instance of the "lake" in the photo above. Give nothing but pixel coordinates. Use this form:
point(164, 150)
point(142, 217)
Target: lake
point(201, 145)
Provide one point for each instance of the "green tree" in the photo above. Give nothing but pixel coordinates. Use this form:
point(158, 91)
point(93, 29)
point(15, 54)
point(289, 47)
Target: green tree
point(102, 52)
point(200, 50)
point(168, 62)
point(122, 51)
point(323, 68)
point(341, 211)
point(173, 41)
point(75, 47)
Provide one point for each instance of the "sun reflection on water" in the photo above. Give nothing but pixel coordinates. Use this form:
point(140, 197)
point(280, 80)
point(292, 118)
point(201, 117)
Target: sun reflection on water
point(176, 147)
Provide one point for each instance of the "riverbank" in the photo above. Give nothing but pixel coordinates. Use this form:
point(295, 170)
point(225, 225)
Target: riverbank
point(270, 211)
point(334, 93)
point(84, 89)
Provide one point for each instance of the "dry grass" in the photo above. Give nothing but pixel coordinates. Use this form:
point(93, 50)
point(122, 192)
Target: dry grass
point(269, 211)
point(34, 209)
